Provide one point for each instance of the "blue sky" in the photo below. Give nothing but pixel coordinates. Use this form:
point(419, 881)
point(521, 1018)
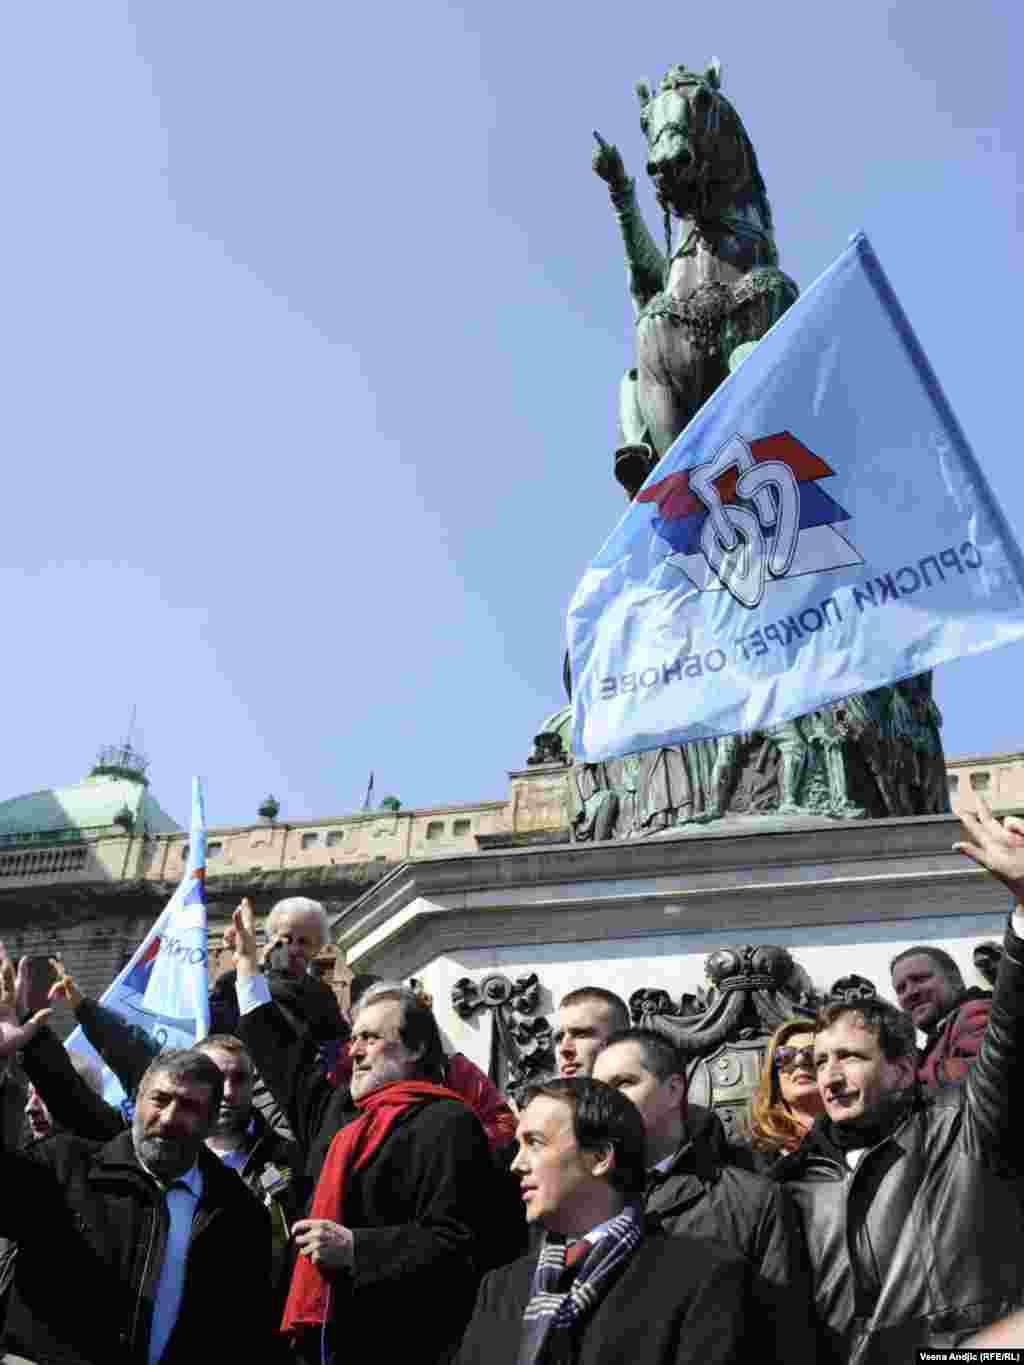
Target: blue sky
point(313, 320)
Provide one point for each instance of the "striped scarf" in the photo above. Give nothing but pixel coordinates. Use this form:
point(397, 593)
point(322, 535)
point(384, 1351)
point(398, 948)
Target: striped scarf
point(551, 1315)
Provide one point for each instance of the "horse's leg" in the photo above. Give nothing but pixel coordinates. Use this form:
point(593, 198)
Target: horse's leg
point(635, 458)
point(666, 406)
point(674, 377)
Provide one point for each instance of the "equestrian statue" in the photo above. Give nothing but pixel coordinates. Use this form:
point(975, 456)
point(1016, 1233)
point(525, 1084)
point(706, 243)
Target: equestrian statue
point(700, 306)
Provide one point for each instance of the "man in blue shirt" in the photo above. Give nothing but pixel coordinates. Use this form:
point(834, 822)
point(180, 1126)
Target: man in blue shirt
point(129, 1249)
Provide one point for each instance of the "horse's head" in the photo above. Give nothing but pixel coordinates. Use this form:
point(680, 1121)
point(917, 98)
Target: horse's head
point(698, 152)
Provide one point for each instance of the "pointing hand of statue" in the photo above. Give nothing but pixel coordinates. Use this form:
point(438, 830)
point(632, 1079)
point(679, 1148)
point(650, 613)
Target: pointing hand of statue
point(608, 162)
point(326, 1244)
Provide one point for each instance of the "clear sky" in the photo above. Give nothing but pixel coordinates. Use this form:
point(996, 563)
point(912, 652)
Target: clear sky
point(313, 320)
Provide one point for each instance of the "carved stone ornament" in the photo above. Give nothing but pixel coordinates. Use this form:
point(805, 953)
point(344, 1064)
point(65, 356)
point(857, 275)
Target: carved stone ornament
point(521, 1042)
point(724, 1028)
point(851, 990)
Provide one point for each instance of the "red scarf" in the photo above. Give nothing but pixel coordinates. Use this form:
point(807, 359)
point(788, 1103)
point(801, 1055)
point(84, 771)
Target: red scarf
point(350, 1150)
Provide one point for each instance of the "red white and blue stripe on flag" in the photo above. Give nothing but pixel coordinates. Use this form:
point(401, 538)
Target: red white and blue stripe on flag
point(163, 990)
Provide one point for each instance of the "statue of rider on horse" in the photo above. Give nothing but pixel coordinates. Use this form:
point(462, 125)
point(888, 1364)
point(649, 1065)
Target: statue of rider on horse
point(700, 306)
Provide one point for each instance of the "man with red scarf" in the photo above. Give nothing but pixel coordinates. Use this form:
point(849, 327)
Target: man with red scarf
point(400, 1216)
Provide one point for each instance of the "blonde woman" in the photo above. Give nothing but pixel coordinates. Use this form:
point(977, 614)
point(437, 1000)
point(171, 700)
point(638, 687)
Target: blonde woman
point(786, 1101)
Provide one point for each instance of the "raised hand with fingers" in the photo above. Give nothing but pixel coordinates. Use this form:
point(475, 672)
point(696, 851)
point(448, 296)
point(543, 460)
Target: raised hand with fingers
point(241, 936)
point(999, 847)
point(13, 1035)
point(65, 986)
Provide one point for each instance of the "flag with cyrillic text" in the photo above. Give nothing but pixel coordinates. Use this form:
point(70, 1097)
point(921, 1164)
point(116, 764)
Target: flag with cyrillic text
point(163, 990)
point(820, 528)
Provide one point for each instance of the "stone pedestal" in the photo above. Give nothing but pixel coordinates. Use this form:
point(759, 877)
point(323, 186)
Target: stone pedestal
point(840, 896)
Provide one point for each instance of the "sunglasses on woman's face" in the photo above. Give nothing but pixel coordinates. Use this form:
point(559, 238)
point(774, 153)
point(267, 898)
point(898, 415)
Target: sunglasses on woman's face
point(789, 1058)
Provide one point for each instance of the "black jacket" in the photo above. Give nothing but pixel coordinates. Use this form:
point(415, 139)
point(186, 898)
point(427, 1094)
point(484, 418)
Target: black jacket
point(674, 1302)
point(420, 1212)
point(922, 1243)
point(273, 1167)
point(73, 1104)
point(705, 1195)
point(309, 1005)
point(428, 1211)
point(314, 1108)
point(91, 1226)
point(128, 1052)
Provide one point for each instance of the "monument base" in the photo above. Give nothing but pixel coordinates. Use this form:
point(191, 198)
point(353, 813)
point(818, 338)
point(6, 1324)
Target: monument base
point(643, 915)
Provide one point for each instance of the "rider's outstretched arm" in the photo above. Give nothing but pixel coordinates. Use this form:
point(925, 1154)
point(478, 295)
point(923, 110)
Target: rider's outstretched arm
point(648, 268)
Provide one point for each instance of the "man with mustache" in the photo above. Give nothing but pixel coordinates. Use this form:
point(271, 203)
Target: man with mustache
point(407, 1195)
point(910, 1200)
point(105, 1231)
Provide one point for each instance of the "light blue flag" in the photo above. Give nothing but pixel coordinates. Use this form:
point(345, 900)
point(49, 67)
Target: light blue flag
point(164, 988)
point(820, 528)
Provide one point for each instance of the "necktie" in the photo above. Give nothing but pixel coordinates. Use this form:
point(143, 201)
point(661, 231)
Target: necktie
point(181, 1207)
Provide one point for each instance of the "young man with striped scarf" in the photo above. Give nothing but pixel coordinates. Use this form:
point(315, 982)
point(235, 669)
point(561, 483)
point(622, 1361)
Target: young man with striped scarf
point(605, 1287)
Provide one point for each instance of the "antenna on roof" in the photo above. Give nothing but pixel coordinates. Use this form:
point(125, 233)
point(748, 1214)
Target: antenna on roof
point(122, 760)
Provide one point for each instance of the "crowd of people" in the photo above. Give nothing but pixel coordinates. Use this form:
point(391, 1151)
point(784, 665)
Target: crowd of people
point(305, 1182)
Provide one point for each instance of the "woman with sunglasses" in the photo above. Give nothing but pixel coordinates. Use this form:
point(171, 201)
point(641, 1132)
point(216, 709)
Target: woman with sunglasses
point(786, 1101)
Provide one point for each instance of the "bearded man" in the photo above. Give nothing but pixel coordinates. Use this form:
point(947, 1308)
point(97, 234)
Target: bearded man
point(406, 1192)
point(107, 1231)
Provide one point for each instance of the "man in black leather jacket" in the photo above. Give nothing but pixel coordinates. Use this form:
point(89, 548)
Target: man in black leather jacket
point(910, 1203)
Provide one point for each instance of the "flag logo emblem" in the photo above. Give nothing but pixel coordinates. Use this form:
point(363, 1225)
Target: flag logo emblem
point(138, 977)
point(753, 514)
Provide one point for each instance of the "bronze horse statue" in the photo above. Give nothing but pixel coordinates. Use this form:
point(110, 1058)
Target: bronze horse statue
point(719, 290)
point(700, 306)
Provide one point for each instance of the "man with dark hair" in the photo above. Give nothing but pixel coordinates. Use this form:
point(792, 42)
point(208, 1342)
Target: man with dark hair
point(105, 1232)
point(604, 1287)
point(930, 989)
point(267, 1162)
point(586, 1018)
point(909, 1199)
point(695, 1190)
point(406, 1195)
